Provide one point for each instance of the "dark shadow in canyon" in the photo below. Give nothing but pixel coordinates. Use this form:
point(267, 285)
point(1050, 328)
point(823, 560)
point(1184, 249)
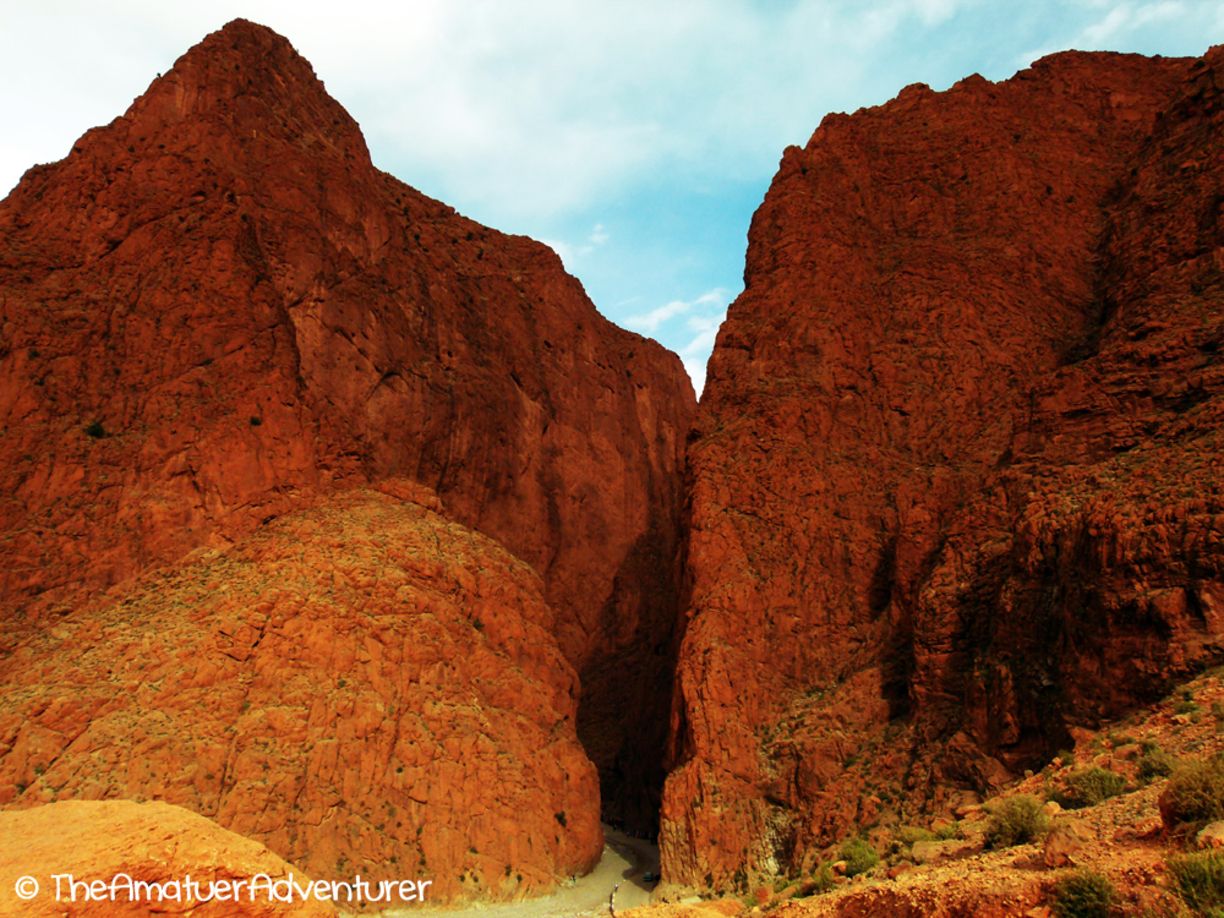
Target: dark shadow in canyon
point(624, 711)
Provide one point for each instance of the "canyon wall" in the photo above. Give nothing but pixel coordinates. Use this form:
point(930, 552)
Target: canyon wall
point(952, 482)
point(216, 307)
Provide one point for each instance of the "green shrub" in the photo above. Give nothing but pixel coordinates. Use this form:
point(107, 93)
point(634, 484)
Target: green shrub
point(947, 831)
point(1155, 763)
point(95, 430)
point(822, 880)
point(1199, 879)
point(1195, 794)
point(1084, 894)
point(907, 835)
point(1089, 787)
point(859, 856)
point(1016, 821)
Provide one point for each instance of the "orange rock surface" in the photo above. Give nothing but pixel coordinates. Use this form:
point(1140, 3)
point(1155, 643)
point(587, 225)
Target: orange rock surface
point(955, 478)
point(365, 687)
point(150, 842)
point(216, 306)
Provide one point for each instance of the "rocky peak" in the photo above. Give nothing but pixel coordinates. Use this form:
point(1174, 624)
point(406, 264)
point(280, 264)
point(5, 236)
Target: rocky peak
point(250, 82)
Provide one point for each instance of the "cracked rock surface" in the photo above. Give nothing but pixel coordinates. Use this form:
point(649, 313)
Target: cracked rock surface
point(363, 686)
point(955, 478)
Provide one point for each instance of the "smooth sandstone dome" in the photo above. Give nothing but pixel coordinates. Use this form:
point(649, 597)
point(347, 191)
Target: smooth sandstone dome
point(93, 841)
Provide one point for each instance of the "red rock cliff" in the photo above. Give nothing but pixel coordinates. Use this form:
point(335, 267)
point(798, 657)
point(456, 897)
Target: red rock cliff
point(216, 305)
point(364, 686)
point(955, 484)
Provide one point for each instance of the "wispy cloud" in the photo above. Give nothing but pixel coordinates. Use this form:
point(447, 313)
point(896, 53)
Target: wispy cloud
point(648, 323)
point(571, 254)
point(1129, 17)
point(696, 353)
point(693, 322)
point(1114, 26)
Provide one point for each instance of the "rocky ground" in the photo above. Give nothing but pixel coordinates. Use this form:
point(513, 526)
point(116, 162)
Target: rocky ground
point(947, 868)
point(625, 863)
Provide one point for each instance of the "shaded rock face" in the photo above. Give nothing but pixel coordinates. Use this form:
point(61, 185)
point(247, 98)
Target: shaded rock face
point(953, 479)
point(216, 305)
point(149, 842)
point(364, 687)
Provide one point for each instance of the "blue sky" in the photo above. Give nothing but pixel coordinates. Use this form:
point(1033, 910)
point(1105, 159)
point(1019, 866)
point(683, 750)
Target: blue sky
point(634, 136)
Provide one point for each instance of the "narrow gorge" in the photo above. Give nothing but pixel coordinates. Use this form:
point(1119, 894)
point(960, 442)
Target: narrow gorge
point(350, 525)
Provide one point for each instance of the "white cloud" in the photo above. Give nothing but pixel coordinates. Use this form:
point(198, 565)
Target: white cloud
point(571, 254)
point(702, 316)
point(566, 252)
point(1158, 12)
point(933, 12)
point(1108, 27)
point(1122, 27)
point(512, 111)
point(648, 323)
point(696, 353)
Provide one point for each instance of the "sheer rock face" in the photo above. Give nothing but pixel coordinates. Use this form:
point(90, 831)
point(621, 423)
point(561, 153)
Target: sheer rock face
point(216, 305)
point(364, 687)
point(953, 485)
point(150, 843)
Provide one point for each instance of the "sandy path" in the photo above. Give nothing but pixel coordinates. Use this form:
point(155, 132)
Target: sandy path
point(624, 861)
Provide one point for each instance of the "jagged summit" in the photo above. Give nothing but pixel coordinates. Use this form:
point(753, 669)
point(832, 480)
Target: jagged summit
point(250, 80)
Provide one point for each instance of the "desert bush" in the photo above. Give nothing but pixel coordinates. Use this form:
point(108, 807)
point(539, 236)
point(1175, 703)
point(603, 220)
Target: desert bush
point(859, 856)
point(1090, 787)
point(1195, 793)
point(1199, 880)
point(95, 430)
point(1016, 821)
point(822, 879)
point(1083, 894)
point(1155, 763)
point(947, 831)
point(907, 835)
